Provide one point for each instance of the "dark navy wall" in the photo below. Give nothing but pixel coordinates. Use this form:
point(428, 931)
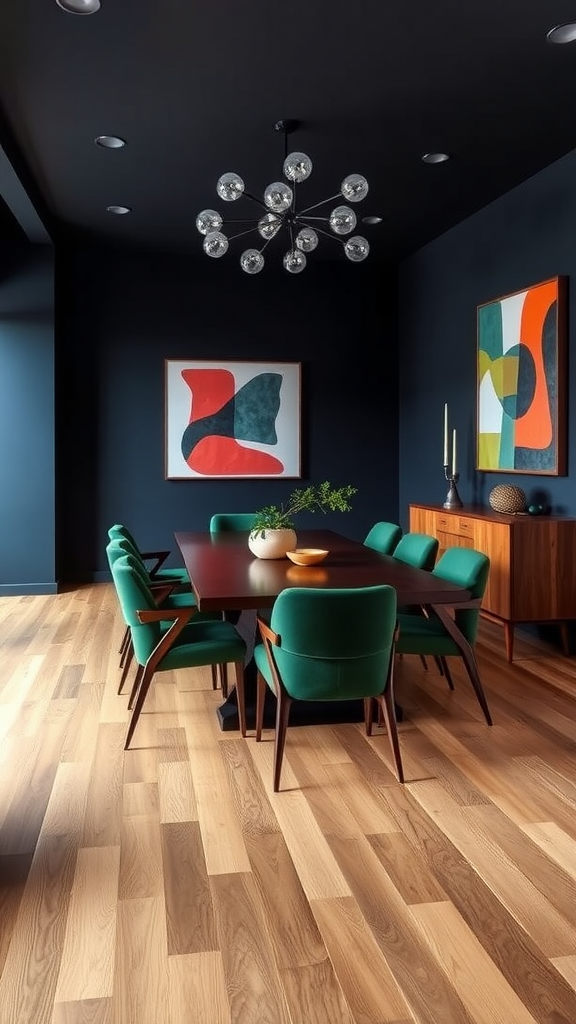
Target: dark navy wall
point(27, 446)
point(123, 315)
point(525, 237)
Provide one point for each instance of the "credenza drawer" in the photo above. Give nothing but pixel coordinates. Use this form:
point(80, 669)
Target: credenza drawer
point(466, 526)
point(455, 524)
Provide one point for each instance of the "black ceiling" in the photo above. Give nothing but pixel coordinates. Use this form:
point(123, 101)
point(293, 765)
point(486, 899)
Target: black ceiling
point(196, 87)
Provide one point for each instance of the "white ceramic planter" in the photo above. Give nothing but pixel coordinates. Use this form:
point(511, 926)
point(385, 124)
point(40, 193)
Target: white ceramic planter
point(274, 543)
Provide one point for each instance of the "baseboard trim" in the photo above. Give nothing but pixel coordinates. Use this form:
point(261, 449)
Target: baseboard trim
point(27, 589)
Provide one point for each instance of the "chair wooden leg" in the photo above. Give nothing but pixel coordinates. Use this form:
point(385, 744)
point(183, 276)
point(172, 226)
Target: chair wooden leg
point(424, 662)
point(386, 702)
point(127, 662)
point(261, 687)
point(125, 645)
point(125, 639)
point(472, 667)
point(240, 695)
point(223, 672)
point(445, 671)
point(369, 714)
point(467, 654)
point(142, 692)
point(282, 713)
point(135, 687)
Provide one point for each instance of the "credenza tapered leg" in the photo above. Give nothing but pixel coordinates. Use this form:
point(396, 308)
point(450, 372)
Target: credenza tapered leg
point(509, 639)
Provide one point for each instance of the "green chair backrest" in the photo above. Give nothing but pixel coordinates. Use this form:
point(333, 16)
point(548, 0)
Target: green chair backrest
point(118, 530)
point(135, 595)
point(418, 549)
point(229, 521)
point(335, 644)
point(383, 537)
point(118, 547)
point(467, 568)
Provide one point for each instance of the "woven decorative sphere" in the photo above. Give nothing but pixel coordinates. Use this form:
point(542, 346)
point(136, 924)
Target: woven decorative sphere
point(507, 498)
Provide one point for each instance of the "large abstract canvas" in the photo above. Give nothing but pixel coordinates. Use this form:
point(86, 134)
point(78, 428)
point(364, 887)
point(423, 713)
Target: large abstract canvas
point(232, 419)
point(522, 381)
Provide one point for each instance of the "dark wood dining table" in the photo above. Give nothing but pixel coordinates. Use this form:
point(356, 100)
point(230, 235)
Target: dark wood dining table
point(225, 576)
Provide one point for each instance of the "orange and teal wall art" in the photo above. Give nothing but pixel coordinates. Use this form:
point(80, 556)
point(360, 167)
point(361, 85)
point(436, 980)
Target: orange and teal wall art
point(232, 419)
point(522, 381)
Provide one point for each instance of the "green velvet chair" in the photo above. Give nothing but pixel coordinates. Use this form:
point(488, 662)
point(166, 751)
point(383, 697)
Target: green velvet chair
point(166, 595)
point(186, 643)
point(227, 521)
point(157, 571)
point(440, 633)
point(418, 549)
point(322, 644)
point(383, 537)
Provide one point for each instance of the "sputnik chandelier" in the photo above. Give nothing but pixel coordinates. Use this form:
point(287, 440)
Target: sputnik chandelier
point(280, 212)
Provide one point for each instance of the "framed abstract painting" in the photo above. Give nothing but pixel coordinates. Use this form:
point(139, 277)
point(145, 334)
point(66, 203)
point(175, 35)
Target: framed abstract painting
point(522, 381)
point(231, 419)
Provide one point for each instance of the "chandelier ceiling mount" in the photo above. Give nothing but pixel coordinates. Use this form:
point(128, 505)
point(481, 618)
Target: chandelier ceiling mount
point(279, 214)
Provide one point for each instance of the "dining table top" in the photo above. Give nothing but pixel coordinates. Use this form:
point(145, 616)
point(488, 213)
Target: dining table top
point(226, 575)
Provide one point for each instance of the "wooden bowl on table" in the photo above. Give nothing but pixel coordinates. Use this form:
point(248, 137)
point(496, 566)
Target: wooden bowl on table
point(307, 556)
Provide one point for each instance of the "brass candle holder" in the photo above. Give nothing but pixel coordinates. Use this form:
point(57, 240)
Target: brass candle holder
point(453, 499)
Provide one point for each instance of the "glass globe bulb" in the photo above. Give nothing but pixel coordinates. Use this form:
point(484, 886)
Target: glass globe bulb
point(294, 261)
point(342, 220)
point(208, 220)
point(307, 239)
point(278, 196)
point(356, 248)
point(230, 186)
point(215, 244)
point(354, 188)
point(252, 261)
point(269, 225)
point(297, 167)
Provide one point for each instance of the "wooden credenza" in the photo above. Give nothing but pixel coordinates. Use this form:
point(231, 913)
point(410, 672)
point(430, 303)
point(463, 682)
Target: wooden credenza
point(532, 562)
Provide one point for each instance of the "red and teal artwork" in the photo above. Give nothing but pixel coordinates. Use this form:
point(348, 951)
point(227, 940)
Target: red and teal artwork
point(522, 381)
point(232, 419)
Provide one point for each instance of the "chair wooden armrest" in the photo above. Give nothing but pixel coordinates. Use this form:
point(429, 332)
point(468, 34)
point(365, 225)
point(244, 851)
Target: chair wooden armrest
point(266, 632)
point(180, 616)
point(159, 556)
point(161, 590)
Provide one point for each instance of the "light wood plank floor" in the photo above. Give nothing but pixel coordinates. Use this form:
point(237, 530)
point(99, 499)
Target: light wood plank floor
point(170, 885)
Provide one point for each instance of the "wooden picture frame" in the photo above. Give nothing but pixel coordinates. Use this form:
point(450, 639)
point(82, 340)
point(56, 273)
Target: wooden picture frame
point(231, 419)
point(522, 381)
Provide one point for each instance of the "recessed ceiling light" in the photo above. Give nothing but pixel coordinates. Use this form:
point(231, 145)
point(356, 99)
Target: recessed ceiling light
point(110, 141)
point(435, 158)
point(79, 6)
point(119, 209)
point(562, 33)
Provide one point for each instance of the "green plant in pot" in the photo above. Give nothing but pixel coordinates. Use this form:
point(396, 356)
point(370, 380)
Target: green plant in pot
point(314, 498)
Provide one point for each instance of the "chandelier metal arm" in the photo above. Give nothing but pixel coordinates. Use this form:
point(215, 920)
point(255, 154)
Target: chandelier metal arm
point(255, 199)
point(240, 234)
point(335, 238)
point(330, 199)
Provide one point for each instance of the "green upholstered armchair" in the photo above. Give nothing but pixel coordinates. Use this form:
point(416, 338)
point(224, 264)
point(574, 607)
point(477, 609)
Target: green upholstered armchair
point(323, 644)
point(442, 634)
point(168, 639)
